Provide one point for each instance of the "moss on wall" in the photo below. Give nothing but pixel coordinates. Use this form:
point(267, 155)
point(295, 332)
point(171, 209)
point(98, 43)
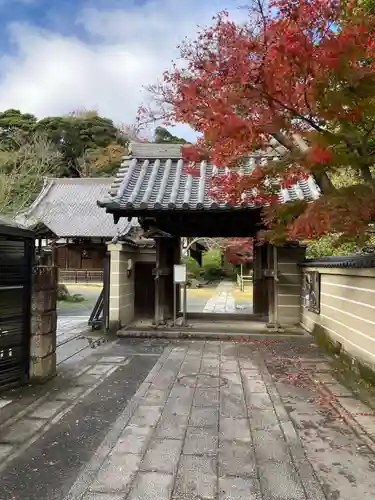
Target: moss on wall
point(347, 360)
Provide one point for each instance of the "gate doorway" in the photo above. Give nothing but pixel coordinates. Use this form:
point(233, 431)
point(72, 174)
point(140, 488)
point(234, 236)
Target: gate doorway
point(219, 276)
point(144, 290)
point(16, 261)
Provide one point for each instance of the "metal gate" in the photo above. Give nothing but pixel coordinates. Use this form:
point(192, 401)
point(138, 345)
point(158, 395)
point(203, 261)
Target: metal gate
point(16, 259)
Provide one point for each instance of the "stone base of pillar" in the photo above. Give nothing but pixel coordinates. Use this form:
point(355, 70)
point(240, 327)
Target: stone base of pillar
point(42, 369)
point(43, 325)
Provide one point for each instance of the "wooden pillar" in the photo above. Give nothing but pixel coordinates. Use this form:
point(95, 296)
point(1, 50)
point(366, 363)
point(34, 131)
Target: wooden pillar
point(167, 254)
point(177, 260)
point(173, 256)
point(159, 300)
point(260, 286)
point(67, 253)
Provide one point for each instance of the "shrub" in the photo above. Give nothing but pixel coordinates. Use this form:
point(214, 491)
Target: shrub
point(193, 269)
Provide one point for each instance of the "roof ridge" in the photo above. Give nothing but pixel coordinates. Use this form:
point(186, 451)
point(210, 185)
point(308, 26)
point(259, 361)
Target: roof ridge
point(47, 186)
point(83, 180)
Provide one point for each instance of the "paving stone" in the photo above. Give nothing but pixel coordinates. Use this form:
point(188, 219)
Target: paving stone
point(237, 488)
point(232, 402)
point(206, 381)
point(279, 481)
point(229, 366)
point(236, 458)
point(112, 359)
point(4, 402)
point(201, 441)
point(232, 378)
point(187, 381)
point(22, 430)
point(263, 419)
point(270, 445)
point(253, 386)
point(316, 366)
point(260, 401)
point(204, 417)
point(155, 397)
point(312, 486)
point(188, 368)
point(172, 426)
point(164, 380)
point(5, 450)
point(354, 406)
point(100, 369)
point(325, 378)
point(117, 473)
point(162, 456)
point(248, 364)
point(252, 374)
point(206, 397)
point(87, 380)
point(178, 406)
point(182, 392)
point(234, 429)
point(367, 422)
point(134, 439)
point(212, 348)
point(146, 415)
point(102, 496)
point(70, 394)
point(196, 478)
point(210, 369)
point(340, 391)
point(152, 486)
point(48, 409)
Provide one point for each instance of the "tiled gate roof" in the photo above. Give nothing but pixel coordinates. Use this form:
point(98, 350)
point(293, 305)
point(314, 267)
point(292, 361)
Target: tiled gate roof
point(153, 177)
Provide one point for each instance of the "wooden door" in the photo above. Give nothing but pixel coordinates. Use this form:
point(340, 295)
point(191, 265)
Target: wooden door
point(144, 290)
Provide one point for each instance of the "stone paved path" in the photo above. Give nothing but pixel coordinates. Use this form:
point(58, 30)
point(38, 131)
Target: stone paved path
point(219, 420)
point(222, 301)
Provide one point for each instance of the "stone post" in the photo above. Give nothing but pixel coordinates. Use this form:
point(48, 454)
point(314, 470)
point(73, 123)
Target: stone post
point(43, 324)
point(121, 286)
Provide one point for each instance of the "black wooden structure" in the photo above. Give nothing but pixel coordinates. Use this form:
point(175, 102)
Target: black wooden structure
point(16, 264)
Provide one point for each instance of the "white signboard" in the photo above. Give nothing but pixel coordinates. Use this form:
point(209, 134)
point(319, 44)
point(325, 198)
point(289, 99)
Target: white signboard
point(179, 273)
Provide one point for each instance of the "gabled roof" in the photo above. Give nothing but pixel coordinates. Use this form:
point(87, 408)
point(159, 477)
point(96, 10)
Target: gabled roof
point(153, 178)
point(68, 209)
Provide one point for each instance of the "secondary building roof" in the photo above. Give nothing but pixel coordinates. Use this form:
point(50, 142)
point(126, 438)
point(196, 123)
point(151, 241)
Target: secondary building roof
point(68, 209)
point(10, 227)
point(153, 178)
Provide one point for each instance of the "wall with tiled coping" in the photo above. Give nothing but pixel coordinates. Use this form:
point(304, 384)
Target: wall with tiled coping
point(347, 306)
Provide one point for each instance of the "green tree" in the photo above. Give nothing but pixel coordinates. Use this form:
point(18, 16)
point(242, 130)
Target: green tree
point(23, 169)
point(80, 136)
point(11, 121)
point(162, 135)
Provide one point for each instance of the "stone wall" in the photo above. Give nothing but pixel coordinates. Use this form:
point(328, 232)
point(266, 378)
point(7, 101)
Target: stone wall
point(43, 323)
point(346, 314)
point(121, 287)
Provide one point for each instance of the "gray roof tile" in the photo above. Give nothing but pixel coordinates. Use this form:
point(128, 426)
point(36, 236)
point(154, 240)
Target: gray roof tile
point(153, 177)
point(68, 208)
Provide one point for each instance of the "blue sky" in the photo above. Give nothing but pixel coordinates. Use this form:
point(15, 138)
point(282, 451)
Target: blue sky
point(61, 55)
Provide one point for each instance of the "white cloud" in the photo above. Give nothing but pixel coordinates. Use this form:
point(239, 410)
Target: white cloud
point(129, 48)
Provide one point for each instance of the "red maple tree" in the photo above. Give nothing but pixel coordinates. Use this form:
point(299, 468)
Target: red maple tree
point(238, 250)
point(299, 73)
